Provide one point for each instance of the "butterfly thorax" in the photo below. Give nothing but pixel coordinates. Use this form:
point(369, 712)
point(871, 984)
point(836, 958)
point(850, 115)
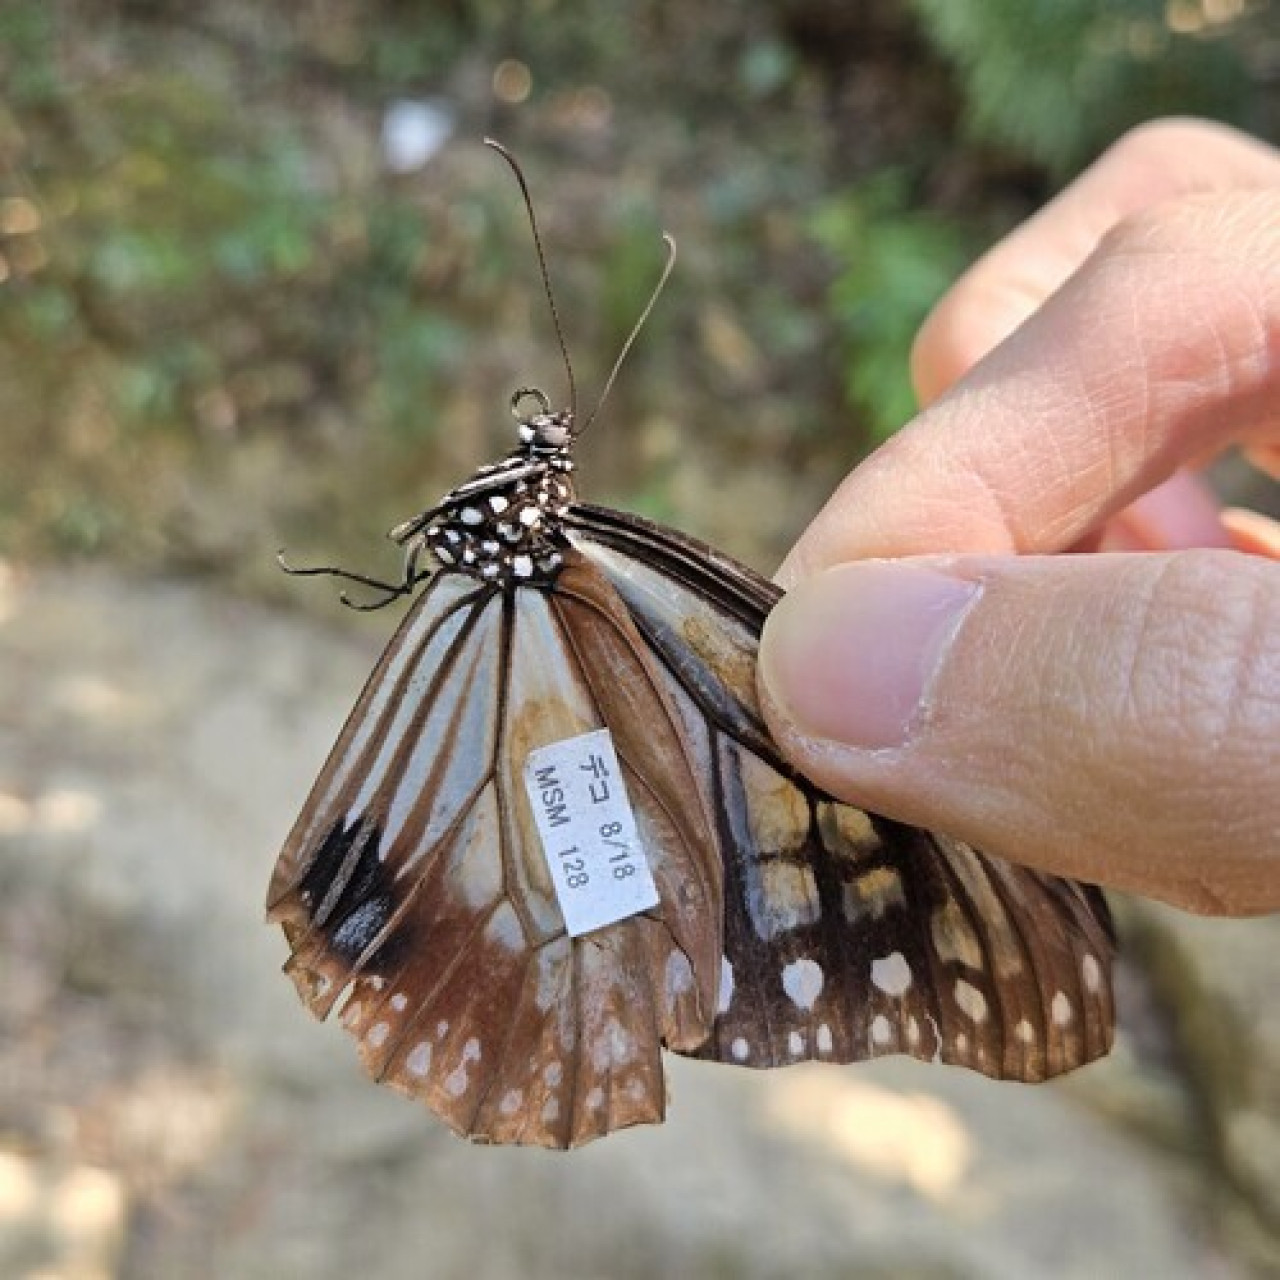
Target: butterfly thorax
point(502, 525)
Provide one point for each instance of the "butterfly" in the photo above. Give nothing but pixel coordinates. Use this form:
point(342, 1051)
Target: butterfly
point(555, 837)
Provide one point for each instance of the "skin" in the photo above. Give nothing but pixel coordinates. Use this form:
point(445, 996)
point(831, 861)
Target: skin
point(1113, 717)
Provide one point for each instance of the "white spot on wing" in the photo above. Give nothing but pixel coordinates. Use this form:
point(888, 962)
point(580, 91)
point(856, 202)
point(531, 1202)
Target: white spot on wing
point(378, 1034)
point(1091, 971)
point(553, 1073)
point(787, 900)
point(824, 1041)
point(551, 975)
point(399, 1001)
point(612, 1046)
point(795, 1043)
point(891, 973)
point(881, 1031)
point(726, 986)
point(551, 1110)
point(1024, 1031)
point(937, 1037)
point(802, 980)
point(455, 1083)
point(1061, 1009)
point(973, 1004)
point(504, 928)
point(740, 1049)
point(511, 1101)
point(418, 1063)
point(595, 1097)
point(679, 974)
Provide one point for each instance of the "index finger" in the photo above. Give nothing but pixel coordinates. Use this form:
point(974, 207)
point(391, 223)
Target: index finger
point(1149, 165)
point(1159, 351)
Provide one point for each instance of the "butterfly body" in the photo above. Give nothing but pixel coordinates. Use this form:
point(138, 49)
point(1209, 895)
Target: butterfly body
point(500, 526)
point(787, 927)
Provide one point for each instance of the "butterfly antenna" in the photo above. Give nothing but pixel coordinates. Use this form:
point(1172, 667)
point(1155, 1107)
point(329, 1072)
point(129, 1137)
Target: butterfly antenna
point(542, 267)
point(669, 241)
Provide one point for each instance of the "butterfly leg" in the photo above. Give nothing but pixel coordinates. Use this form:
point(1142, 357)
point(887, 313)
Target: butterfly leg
point(412, 576)
point(391, 591)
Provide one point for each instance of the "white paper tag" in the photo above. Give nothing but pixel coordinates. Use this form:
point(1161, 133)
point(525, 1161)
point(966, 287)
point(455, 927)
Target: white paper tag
point(588, 832)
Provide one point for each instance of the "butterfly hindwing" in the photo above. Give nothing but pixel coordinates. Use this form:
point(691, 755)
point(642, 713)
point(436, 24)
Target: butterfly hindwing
point(415, 880)
point(848, 936)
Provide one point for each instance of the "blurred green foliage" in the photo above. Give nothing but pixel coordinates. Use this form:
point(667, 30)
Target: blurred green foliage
point(1055, 80)
point(891, 264)
point(223, 316)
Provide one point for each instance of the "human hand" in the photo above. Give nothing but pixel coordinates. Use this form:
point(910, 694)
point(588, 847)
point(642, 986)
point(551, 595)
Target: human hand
point(1112, 717)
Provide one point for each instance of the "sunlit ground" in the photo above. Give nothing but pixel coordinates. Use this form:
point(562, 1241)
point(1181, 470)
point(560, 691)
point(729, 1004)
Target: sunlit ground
point(168, 1109)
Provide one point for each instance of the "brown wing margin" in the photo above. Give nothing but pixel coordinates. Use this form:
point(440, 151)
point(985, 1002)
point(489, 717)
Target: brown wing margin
point(848, 936)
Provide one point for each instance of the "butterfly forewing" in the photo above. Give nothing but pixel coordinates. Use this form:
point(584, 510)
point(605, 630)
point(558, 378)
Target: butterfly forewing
point(416, 882)
point(848, 936)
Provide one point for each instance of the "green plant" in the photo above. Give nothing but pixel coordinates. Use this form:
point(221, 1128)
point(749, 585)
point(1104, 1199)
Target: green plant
point(890, 265)
point(1056, 80)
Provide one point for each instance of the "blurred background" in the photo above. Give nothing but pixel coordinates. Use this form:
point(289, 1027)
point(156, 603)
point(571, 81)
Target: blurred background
point(260, 285)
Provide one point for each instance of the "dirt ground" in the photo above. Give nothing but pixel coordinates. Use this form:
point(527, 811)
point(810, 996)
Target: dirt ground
point(168, 1110)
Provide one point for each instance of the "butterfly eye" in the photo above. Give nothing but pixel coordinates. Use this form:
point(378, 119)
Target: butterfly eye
point(551, 431)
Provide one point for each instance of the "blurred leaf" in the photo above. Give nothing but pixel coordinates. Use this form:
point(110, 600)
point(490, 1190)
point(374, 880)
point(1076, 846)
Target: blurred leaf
point(28, 70)
point(48, 313)
point(1056, 80)
point(765, 67)
point(891, 266)
point(415, 353)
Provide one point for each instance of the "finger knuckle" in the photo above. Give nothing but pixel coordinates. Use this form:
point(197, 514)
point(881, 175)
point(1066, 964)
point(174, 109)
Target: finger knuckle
point(1227, 227)
point(1204, 273)
point(1165, 141)
point(1202, 649)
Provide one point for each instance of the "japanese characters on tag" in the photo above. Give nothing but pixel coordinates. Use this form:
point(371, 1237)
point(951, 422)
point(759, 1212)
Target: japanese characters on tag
point(588, 832)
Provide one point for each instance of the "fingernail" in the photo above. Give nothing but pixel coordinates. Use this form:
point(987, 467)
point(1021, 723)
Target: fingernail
point(850, 655)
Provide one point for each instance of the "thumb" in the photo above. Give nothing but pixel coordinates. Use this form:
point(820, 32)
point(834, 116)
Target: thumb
point(1115, 718)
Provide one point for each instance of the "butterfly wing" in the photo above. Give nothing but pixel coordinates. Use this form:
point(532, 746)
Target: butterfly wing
point(848, 936)
point(415, 885)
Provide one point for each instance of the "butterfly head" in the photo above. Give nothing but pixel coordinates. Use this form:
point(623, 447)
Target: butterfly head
point(543, 433)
